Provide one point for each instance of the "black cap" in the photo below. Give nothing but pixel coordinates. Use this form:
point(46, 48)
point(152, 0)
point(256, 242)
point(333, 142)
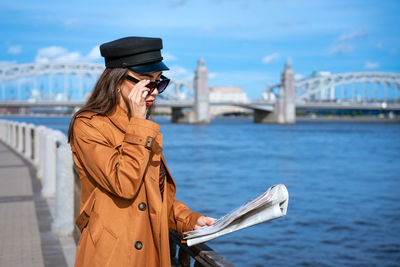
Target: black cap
point(140, 54)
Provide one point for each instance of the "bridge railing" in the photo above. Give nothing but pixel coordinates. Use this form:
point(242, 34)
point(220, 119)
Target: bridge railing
point(49, 152)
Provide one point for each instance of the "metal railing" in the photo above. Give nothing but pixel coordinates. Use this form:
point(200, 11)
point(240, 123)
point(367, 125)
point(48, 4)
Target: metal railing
point(49, 152)
point(202, 254)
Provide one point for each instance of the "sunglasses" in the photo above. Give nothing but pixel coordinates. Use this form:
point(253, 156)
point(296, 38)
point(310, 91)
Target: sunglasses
point(160, 85)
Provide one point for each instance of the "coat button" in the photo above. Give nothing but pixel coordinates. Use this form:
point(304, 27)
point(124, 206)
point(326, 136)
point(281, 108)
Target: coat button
point(142, 206)
point(138, 245)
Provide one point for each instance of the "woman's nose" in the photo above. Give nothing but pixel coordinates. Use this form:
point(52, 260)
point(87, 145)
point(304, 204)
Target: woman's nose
point(155, 92)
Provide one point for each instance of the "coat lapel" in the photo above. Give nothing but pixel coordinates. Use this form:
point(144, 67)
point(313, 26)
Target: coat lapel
point(119, 118)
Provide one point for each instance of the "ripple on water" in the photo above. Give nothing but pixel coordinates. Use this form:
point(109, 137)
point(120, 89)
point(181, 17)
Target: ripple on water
point(340, 228)
point(268, 257)
point(332, 242)
point(365, 223)
point(389, 248)
point(314, 263)
point(303, 223)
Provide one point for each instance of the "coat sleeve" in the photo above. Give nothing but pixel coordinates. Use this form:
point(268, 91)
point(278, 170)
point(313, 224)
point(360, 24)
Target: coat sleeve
point(119, 169)
point(183, 218)
point(180, 217)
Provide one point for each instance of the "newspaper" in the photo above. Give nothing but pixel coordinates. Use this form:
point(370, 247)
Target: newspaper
point(271, 204)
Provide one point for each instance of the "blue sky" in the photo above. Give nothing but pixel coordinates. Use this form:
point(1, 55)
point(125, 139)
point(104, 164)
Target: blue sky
point(244, 43)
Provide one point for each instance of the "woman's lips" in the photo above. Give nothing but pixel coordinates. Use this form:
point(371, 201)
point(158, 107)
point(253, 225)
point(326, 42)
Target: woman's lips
point(149, 103)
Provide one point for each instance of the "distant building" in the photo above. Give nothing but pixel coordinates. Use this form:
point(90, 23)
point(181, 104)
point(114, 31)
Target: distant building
point(227, 94)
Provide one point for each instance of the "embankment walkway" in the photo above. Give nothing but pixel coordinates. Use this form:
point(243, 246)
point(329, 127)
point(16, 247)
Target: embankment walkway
point(25, 220)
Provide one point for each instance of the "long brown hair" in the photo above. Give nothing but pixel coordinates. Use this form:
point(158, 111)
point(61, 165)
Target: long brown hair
point(104, 96)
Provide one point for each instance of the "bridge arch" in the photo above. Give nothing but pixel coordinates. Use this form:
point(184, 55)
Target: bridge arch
point(48, 79)
point(333, 87)
point(67, 80)
point(10, 72)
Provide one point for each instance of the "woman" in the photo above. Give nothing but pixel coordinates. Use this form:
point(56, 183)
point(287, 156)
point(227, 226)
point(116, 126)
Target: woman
point(128, 199)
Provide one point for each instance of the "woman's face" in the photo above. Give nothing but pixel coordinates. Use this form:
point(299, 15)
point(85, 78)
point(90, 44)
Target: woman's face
point(127, 86)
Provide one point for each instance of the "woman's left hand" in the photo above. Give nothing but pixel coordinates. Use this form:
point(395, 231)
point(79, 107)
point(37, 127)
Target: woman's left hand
point(203, 221)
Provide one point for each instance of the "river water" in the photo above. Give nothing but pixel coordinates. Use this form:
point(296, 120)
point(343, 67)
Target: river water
point(343, 180)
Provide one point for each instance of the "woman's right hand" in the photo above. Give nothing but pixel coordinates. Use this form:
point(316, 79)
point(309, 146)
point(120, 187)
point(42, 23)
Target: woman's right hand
point(136, 98)
point(203, 221)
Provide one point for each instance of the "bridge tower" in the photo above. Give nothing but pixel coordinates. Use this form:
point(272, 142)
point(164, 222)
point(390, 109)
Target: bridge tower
point(201, 100)
point(285, 107)
point(200, 114)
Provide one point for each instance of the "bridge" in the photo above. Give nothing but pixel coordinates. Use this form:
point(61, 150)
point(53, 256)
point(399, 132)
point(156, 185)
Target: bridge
point(50, 85)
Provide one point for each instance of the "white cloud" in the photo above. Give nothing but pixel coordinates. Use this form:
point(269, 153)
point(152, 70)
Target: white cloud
point(60, 54)
point(270, 58)
point(56, 54)
point(351, 36)
point(94, 54)
point(15, 49)
point(341, 48)
point(168, 57)
point(179, 73)
point(344, 44)
point(371, 65)
point(379, 46)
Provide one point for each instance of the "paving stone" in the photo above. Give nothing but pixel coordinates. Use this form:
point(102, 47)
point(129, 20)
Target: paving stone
point(25, 220)
point(19, 233)
point(15, 181)
point(9, 159)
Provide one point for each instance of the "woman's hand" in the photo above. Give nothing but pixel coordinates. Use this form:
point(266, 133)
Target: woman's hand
point(136, 99)
point(203, 221)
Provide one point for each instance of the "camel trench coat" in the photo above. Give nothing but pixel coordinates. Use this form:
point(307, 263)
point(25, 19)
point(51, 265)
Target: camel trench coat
point(123, 220)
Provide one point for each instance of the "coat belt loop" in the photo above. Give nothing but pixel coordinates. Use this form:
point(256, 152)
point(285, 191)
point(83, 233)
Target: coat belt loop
point(83, 218)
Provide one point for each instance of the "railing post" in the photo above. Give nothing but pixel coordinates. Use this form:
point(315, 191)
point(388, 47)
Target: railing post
point(49, 175)
point(21, 128)
point(14, 135)
point(36, 146)
point(64, 221)
point(5, 129)
point(3, 133)
point(28, 141)
point(9, 132)
point(17, 127)
point(41, 132)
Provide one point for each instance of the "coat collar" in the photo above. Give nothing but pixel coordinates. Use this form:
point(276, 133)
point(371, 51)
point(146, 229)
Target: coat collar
point(119, 118)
